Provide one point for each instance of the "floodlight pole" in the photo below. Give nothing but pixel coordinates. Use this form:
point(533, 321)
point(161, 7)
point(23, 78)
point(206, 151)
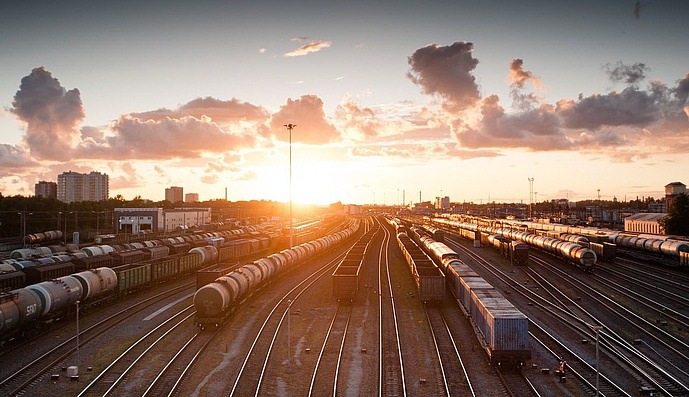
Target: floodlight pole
point(290, 126)
point(597, 329)
point(78, 356)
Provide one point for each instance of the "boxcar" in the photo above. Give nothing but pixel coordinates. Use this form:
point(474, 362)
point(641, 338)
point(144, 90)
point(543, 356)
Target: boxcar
point(504, 328)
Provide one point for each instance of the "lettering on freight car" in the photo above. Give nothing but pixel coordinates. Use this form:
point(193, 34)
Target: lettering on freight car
point(31, 310)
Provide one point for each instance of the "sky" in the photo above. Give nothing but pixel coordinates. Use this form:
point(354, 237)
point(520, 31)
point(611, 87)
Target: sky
point(392, 100)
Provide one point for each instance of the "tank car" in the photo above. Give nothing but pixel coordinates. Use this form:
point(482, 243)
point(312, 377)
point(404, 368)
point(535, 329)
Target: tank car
point(17, 309)
point(216, 300)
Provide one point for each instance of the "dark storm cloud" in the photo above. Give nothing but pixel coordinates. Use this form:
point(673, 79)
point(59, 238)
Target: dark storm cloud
point(630, 74)
point(446, 71)
point(51, 114)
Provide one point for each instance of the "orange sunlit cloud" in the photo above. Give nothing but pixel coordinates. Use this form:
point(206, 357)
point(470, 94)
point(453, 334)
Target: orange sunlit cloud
point(313, 46)
point(313, 127)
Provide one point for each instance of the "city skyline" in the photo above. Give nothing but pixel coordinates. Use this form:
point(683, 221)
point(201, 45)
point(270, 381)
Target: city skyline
point(448, 98)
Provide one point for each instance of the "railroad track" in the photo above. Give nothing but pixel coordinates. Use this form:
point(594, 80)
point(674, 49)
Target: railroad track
point(516, 384)
point(566, 313)
point(251, 375)
point(62, 354)
point(455, 379)
point(171, 376)
point(391, 367)
point(118, 377)
point(325, 376)
point(578, 366)
point(656, 373)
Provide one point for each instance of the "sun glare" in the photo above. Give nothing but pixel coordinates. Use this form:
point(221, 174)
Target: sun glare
point(313, 182)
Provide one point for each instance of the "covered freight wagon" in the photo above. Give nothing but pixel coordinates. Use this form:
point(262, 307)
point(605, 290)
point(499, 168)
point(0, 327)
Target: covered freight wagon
point(505, 330)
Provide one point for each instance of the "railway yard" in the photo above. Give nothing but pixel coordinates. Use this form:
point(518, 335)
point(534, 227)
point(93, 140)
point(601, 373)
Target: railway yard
point(289, 325)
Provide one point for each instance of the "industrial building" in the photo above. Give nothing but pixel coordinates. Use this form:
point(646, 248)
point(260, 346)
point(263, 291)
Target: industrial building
point(146, 220)
point(648, 223)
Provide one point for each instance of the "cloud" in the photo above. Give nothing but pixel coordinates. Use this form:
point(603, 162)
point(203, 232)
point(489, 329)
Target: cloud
point(360, 120)
point(130, 179)
point(51, 114)
point(517, 79)
point(681, 92)
point(300, 38)
point(631, 107)
point(445, 71)
point(637, 9)
point(210, 179)
point(185, 137)
point(536, 129)
point(519, 76)
point(222, 112)
point(617, 121)
point(14, 159)
point(630, 74)
point(307, 113)
point(313, 46)
point(249, 175)
point(419, 152)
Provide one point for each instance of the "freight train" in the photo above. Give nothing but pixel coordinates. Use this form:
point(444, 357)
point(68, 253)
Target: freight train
point(35, 264)
point(668, 246)
point(216, 301)
point(25, 309)
point(502, 329)
point(428, 277)
point(108, 274)
point(571, 252)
